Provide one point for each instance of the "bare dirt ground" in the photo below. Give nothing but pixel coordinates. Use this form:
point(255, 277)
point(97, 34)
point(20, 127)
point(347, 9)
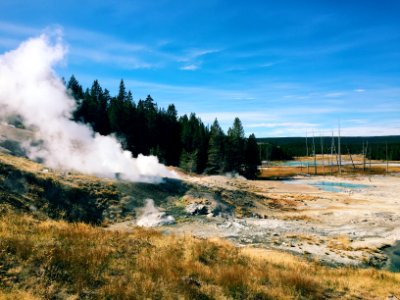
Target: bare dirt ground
point(346, 227)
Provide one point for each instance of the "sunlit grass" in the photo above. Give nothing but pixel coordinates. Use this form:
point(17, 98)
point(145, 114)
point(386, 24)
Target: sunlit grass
point(348, 170)
point(60, 260)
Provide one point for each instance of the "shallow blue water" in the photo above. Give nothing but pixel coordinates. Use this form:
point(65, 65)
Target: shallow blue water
point(337, 187)
point(296, 163)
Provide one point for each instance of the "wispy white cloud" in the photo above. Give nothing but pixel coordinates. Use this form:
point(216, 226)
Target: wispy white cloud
point(138, 55)
point(357, 121)
point(194, 54)
point(209, 117)
point(97, 47)
point(193, 58)
point(14, 29)
point(388, 129)
point(122, 60)
point(192, 67)
point(244, 98)
point(334, 95)
point(282, 124)
point(107, 42)
point(286, 131)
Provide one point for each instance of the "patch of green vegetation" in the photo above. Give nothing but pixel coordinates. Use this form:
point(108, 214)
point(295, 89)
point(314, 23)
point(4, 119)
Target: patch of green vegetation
point(25, 186)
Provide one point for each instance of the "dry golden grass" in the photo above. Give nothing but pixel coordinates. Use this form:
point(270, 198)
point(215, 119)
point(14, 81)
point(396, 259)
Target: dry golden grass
point(20, 295)
point(28, 166)
point(340, 283)
point(303, 237)
point(300, 217)
point(289, 171)
point(340, 242)
point(59, 260)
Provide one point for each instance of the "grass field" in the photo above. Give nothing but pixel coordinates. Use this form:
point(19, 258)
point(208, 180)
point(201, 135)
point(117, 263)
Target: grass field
point(59, 260)
point(305, 165)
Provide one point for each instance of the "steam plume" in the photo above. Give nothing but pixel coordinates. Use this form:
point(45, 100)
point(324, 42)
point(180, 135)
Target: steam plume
point(152, 217)
point(30, 88)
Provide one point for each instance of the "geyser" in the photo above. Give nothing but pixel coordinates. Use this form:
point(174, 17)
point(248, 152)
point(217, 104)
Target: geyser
point(151, 216)
point(30, 88)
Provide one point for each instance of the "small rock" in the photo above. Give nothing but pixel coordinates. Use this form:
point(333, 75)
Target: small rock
point(197, 209)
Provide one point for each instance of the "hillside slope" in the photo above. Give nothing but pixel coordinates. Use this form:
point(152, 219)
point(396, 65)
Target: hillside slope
point(59, 260)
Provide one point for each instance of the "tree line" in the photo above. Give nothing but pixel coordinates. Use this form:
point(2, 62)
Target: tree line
point(374, 147)
point(145, 128)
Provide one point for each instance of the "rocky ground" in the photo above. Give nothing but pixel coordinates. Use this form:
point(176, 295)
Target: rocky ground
point(348, 226)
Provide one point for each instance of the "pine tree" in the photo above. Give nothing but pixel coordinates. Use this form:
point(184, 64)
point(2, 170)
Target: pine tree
point(169, 129)
point(74, 88)
point(252, 159)
point(188, 161)
point(215, 162)
point(120, 112)
point(103, 123)
point(234, 150)
point(146, 129)
point(194, 137)
point(122, 95)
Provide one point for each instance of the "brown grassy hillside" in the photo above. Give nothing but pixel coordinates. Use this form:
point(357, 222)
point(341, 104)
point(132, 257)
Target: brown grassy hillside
point(60, 260)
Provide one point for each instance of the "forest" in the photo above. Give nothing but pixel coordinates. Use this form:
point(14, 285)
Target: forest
point(144, 128)
point(286, 148)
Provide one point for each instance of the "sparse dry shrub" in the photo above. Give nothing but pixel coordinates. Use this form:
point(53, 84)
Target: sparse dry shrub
point(20, 295)
point(302, 282)
point(300, 218)
point(340, 242)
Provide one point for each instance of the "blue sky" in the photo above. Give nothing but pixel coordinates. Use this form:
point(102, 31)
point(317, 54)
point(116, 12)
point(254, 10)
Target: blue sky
point(282, 67)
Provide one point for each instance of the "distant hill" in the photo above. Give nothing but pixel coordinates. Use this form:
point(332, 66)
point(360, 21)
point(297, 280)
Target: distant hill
point(278, 148)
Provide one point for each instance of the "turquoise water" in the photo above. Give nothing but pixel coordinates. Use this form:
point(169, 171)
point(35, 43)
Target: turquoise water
point(295, 163)
point(393, 253)
point(329, 186)
point(338, 187)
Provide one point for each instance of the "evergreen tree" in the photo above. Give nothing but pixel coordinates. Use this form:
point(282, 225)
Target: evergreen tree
point(194, 140)
point(129, 97)
point(102, 121)
point(74, 88)
point(252, 159)
point(121, 111)
point(122, 95)
point(188, 161)
point(170, 132)
point(215, 163)
point(145, 128)
point(234, 156)
point(147, 120)
point(93, 109)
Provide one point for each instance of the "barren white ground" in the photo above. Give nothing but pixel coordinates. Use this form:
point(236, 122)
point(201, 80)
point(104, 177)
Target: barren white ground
point(347, 227)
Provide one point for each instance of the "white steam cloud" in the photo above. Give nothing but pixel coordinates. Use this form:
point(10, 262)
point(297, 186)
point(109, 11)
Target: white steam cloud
point(30, 88)
point(151, 216)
